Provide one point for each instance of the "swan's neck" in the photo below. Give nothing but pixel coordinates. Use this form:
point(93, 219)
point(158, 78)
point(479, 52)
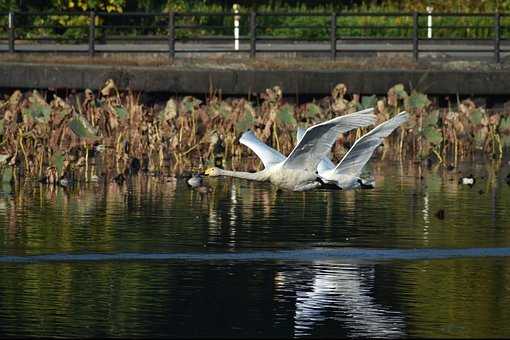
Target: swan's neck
point(254, 176)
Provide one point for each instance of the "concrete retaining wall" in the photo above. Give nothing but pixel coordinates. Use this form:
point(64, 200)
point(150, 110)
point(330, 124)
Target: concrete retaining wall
point(240, 82)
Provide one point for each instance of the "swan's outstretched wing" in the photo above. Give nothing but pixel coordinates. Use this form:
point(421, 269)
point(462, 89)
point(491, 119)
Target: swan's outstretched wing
point(299, 134)
point(318, 139)
point(359, 154)
point(267, 154)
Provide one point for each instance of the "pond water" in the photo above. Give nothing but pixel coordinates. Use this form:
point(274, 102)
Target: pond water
point(154, 258)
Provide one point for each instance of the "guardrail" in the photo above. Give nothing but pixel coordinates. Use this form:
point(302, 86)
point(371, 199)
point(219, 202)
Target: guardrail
point(90, 32)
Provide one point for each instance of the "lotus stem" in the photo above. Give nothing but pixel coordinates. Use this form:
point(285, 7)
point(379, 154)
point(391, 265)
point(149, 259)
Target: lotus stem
point(23, 149)
point(276, 137)
point(437, 155)
point(86, 162)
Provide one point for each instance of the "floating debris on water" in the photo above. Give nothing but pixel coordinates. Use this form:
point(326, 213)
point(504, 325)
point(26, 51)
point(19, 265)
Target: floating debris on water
point(469, 180)
point(440, 214)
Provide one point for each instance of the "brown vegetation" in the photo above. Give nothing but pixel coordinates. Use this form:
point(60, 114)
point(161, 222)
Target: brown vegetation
point(110, 134)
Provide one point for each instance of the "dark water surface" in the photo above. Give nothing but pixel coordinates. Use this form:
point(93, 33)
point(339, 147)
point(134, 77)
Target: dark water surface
point(153, 258)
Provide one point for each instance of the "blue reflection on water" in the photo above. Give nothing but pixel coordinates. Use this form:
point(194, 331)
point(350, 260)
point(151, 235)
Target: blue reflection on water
point(314, 254)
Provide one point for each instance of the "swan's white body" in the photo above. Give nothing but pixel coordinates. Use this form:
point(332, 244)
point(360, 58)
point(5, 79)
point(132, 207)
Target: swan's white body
point(298, 171)
point(345, 175)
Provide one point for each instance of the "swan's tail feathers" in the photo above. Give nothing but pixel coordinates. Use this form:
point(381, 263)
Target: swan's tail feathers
point(358, 156)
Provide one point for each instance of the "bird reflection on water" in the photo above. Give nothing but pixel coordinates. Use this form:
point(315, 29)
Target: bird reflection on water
point(342, 292)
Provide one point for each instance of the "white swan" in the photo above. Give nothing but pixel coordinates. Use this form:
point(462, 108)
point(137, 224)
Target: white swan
point(298, 171)
point(346, 174)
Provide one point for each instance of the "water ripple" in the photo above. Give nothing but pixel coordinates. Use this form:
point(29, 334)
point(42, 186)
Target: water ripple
point(287, 255)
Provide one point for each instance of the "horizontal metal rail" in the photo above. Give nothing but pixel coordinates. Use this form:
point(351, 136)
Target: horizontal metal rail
point(326, 33)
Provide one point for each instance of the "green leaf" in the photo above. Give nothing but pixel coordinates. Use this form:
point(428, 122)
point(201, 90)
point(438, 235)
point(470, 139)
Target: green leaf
point(312, 110)
point(431, 119)
point(4, 158)
point(480, 137)
point(399, 91)
point(225, 110)
point(7, 174)
point(58, 161)
point(82, 128)
point(286, 115)
point(504, 124)
point(368, 101)
point(476, 117)
point(505, 140)
point(432, 135)
point(418, 100)
point(245, 123)
point(38, 112)
point(189, 103)
point(121, 112)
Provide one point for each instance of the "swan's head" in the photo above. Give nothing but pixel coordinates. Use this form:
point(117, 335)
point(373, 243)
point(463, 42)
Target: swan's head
point(213, 172)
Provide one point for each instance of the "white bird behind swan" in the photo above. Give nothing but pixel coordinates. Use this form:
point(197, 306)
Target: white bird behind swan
point(346, 174)
point(298, 171)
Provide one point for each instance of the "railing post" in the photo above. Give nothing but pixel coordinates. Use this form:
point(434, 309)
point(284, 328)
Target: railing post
point(11, 32)
point(415, 36)
point(333, 36)
point(253, 34)
point(92, 33)
point(171, 35)
point(497, 37)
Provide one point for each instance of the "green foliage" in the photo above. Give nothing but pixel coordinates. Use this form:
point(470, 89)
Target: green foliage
point(312, 110)
point(400, 91)
point(189, 104)
point(121, 112)
point(433, 135)
point(504, 124)
point(476, 117)
point(505, 140)
point(246, 122)
point(58, 161)
point(82, 128)
point(418, 100)
point(7, 174)
point(37, 111)
point(430, 130)
point(368, 101)
point(285, 115)
point(317, 27)
point(431, 119)
point(480, 137)
point(225, 110)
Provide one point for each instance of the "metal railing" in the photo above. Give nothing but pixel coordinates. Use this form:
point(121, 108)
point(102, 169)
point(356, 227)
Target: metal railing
point(329, 33)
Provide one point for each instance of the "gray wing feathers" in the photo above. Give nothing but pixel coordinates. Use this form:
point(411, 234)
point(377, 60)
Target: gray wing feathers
point(318, 139)
point(359, 154)
point(267, 154)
